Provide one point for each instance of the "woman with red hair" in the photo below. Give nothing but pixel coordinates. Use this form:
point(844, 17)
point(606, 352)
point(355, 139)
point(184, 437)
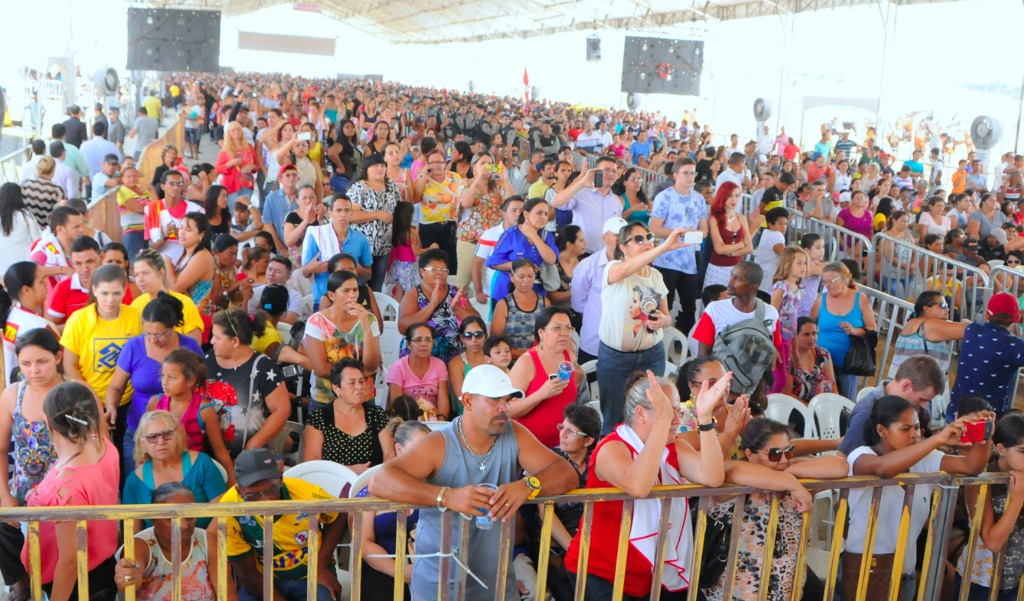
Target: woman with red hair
point(729, 235)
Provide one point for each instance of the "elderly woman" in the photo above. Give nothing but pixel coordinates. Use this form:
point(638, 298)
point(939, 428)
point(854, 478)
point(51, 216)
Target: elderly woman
point(642, 452)
point(309, 214)
point(161, 456)
point(546, 396)
point(810, 371)
point(481, 209)
point(437, 191)
point(420, 375)
point(152, 571)
point(349, 431)
point(437, 304)
point(515, 314)
point(841, 312)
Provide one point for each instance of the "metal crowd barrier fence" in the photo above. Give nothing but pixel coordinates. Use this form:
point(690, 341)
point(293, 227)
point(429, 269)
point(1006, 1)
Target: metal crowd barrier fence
point(651, 180)
point(904, 269)
point(891, 314)
point(943, 503)
point(11, 163)
point(840, 243)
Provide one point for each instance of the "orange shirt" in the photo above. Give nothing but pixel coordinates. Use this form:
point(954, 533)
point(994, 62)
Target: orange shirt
point(959, 182)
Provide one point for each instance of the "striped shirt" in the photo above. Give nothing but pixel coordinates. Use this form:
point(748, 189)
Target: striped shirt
point(41, 196)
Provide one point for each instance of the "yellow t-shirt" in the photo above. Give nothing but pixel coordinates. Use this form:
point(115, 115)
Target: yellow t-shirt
point(192, 320)
point(153, 107)
point(270, 336)
point(98, 342)
point(879, 222)
point(175, 90)
point(290, 531)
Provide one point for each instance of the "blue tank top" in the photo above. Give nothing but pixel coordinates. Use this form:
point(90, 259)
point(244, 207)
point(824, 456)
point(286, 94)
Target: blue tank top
point(460, 468)
point(831, 336)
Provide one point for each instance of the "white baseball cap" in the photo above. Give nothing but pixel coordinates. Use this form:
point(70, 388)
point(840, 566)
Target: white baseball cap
point(614, 225)
point(490, 381)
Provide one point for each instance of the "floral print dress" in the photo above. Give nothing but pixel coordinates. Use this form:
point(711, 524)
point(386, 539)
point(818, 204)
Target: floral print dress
point(751, 548)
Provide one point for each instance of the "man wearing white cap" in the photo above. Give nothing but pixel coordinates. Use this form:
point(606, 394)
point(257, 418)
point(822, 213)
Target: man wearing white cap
point(587, 282)
point(483, 446)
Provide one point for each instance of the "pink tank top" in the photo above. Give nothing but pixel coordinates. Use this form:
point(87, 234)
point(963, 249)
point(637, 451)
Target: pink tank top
point(190, 421)
point(404, 253)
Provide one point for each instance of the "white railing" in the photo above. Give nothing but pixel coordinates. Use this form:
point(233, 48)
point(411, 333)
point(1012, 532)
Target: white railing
point(11, 164)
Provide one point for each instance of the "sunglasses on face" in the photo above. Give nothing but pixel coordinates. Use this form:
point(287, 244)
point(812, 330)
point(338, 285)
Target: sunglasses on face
point(941, 305)
point(775, 454)
point(152, 438)
point(640, 238)
point(470, 335)
point(1013, 261)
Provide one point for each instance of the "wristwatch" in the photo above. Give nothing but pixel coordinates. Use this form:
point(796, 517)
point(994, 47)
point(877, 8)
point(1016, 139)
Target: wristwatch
point(533, 483)
point(440, 499)
point(708, 427)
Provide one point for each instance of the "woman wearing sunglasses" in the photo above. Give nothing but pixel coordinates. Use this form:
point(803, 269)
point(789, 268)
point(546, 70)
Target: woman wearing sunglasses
point(766, 443)
point(635, 311)
point(473, 334)
point(161, 456)
point(928, 332)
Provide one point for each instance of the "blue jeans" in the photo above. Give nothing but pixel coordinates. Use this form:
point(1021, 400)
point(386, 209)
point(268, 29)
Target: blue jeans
point(378, 271)
point(613, 369)
point(981, 593)
point(292, 590)
point(134, 242)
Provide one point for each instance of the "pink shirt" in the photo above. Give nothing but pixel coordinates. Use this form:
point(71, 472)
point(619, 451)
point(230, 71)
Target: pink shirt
point(85, 485)
point(426, 387)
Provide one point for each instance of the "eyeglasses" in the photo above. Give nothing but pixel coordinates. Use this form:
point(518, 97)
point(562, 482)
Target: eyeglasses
point(775, 454)
point(565, 428)
point(559, 329)
point(422, 340)
point(472, 335)
point(259, 494)
point(440, 270)
point(152, 438)
point(639, 238)
point(161, 336)
point(838, 278)
point(688, 173)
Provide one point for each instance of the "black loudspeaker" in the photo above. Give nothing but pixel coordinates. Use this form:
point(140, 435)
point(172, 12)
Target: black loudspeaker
point(593, 48)
point(173, 40)
point(658, 66)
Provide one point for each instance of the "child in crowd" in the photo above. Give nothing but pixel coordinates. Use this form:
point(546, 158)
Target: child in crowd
point(811, 284)
point(786, 294)
point(243, 227)
point(773, 240)
point(499, 351)
point(1000, 525)
point(405, 239)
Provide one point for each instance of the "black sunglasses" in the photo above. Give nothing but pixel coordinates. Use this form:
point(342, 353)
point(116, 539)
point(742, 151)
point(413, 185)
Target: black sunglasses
point(775, 454)
point(478, 335)
point(639, 238)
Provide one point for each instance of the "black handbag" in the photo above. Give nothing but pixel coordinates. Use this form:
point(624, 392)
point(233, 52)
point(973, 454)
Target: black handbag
point(860, 359)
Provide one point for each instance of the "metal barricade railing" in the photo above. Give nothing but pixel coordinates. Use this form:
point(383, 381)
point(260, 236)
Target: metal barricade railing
point(904, 269)
point(943, 500)
point(11, 163)
point(891, 314)
point(651, 180)
point(840, 243)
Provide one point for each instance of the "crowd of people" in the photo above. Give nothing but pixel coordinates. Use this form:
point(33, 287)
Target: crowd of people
point(361, 260)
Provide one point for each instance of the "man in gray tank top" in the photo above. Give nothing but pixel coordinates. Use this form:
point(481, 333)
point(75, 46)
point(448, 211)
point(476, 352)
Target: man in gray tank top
point(483, 446)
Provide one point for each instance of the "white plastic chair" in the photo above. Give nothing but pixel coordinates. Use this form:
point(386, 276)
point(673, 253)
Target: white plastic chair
point(993, 263)
point(279, 442)
point(306, 307)
point(677, 348)
point(390, 346)
point(484, 309)
point(437, 426)
point(864, 392)
point(388, 307)
point(328, 475)
point(780, 406)
point(362, 481)
point(827, 408)
point(590, 367)
point(671, 370)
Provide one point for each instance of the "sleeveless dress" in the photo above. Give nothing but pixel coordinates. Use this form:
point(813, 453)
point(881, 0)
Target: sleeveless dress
point(720, 266)
point(519, 325)
point(831, 336)
point(917, 344)
point(190, 420)
point(547, 414)
point(33, 451)
point(445, 326)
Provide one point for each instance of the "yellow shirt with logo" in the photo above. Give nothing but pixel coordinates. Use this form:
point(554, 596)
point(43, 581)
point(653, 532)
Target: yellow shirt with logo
point(192, 320)
point(98, 342)
point(245, 533)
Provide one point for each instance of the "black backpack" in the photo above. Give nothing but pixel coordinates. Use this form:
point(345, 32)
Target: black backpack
point(747, 349)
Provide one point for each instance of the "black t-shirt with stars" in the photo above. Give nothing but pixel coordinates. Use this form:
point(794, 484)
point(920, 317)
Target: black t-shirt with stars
point(249, 411)
point(342, 448)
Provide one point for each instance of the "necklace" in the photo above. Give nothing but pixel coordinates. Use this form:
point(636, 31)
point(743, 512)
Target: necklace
point(480, 462)
point(69, 459)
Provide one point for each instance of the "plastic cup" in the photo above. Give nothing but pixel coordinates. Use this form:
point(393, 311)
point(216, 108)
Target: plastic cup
point(485, 522)
point(564, 371)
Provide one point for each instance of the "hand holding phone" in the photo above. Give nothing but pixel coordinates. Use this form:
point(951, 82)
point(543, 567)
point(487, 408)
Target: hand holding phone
point(304, 136)
point(977, 431)
point(695, 237)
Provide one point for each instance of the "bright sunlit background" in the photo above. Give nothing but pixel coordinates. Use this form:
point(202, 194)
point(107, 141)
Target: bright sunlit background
point(956, 59)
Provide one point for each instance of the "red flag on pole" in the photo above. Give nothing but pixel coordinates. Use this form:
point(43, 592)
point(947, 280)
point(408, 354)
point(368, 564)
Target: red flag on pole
point(526, 85)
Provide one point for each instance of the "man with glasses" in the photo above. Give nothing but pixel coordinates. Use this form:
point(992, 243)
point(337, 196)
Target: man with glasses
point(258, 478)
point(164, 217)
point(449, 471)
point(279, 203)
point(592, 205)
point(680, 207)
point(918, 380)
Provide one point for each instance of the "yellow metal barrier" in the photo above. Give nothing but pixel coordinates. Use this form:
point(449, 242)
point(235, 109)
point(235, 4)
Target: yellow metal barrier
point(933, 562)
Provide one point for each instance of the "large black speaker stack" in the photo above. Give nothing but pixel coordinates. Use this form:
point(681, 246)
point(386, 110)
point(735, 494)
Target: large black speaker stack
point(173, 40)
point(659, 66)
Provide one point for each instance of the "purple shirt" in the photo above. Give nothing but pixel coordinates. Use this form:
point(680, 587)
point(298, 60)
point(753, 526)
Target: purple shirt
point(145, 373)
point(860, 225)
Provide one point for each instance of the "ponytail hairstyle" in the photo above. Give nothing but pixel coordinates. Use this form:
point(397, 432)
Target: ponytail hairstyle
point(688, 373)
point(191, 366)
point(72, 411)
point(926, 299)
point(236, 323)
point(19, 276)
point(404, 432)
point(758, 431)
point(886, 411)
point(165, 310)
